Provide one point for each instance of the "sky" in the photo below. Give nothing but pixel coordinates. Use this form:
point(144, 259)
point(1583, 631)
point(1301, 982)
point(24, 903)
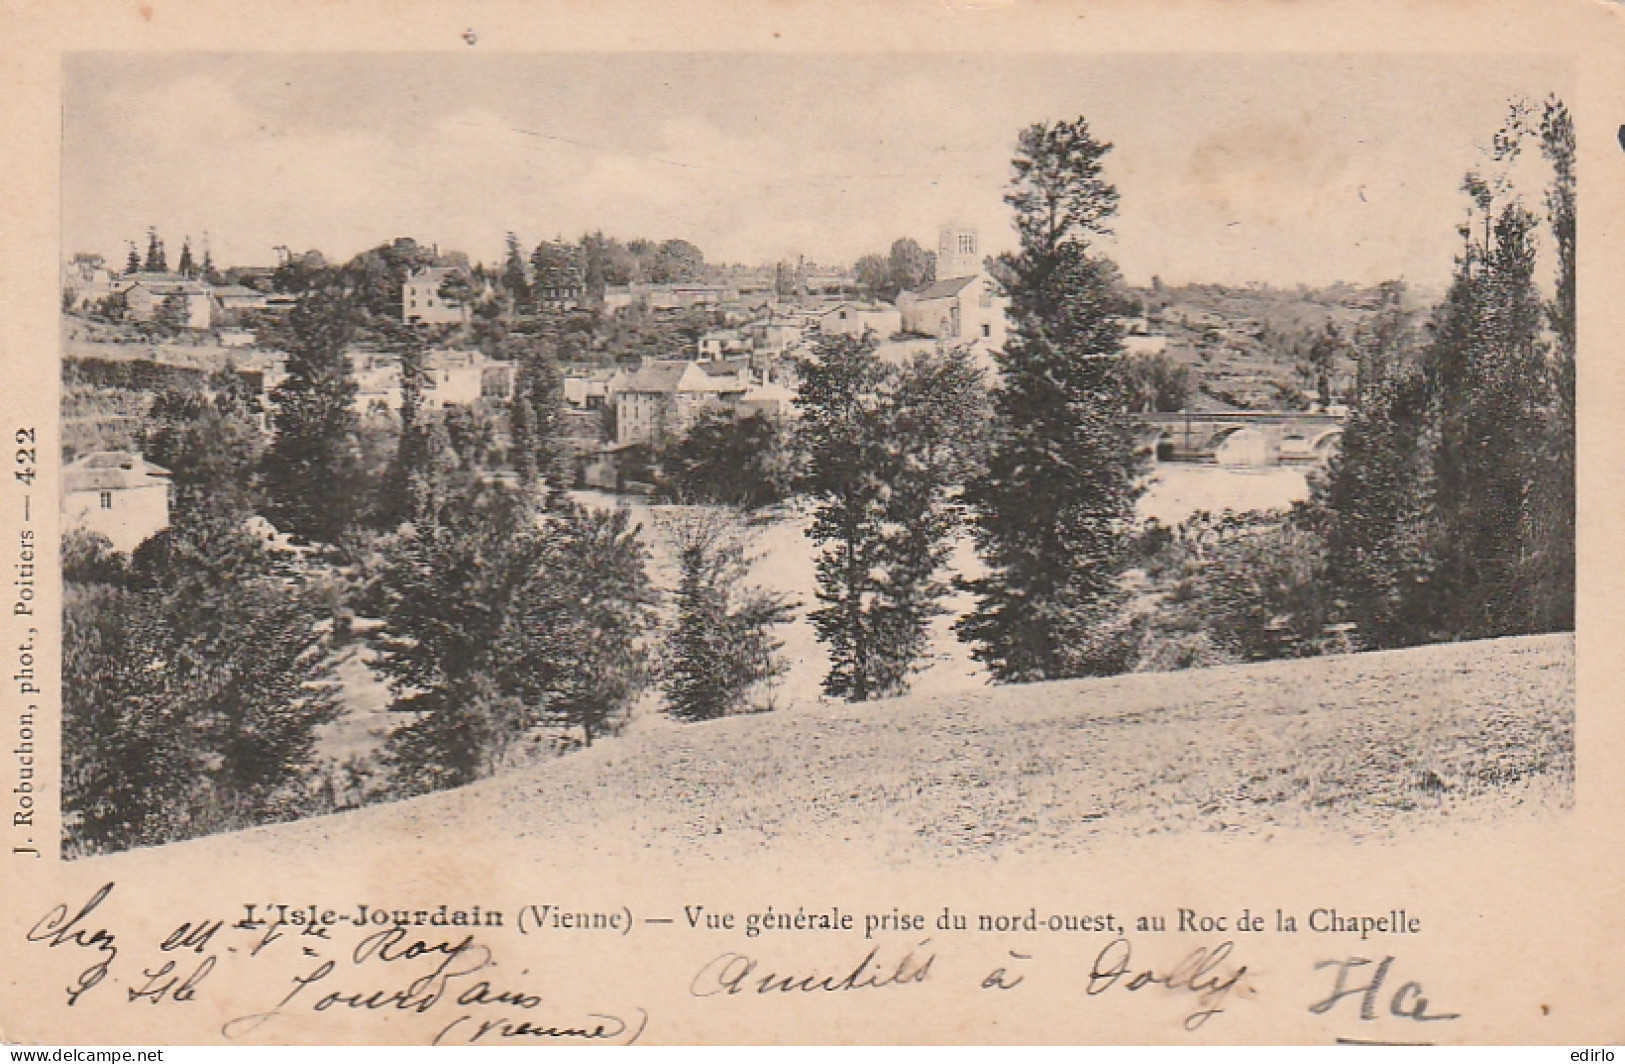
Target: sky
point(1278, 169)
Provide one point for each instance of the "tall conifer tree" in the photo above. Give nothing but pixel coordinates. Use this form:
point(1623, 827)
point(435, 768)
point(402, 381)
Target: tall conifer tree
point(1057, 499)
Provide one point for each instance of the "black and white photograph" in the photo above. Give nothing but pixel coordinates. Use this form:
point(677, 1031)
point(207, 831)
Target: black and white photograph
point(1001, 523)
point(1089, 462)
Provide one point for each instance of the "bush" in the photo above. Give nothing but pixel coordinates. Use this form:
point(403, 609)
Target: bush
point(728, 461)
point(720, 645)
point(1237, 587)
point(191, 697)
point(499, 620)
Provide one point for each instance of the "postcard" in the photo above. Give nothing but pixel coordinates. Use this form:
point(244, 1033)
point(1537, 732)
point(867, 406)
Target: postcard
point(811, 523)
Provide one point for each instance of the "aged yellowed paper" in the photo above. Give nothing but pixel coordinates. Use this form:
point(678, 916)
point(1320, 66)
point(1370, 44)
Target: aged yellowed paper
point(835, 523)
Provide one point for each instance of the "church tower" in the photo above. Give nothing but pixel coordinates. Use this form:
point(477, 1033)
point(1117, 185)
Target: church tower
point(958, 254)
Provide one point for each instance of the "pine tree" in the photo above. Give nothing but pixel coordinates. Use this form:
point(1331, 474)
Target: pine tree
point(133, 263)
point(411, 486)
point(500, 619)
point(720, 645)
point(451, 583)
point(536, 412)
point(1489, 379)
point(1377, 497)
point(312, 467)
point(884, 449)
point(575, 648)
point(514, 280)
point(193, 693)
point(156, 262)
point(186, 268)
point(1057, 499)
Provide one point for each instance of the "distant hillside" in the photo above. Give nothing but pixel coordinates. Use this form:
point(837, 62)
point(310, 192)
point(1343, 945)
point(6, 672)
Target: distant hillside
point(1242, 343)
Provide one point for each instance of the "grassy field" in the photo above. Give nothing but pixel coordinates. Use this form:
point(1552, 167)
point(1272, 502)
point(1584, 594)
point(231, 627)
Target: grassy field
point(1367, 746)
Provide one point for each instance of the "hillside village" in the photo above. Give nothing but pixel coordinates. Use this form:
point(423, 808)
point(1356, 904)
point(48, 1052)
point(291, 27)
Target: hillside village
point(641, 362)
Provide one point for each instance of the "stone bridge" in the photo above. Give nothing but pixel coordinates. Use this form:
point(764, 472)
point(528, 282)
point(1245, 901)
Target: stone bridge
point(1243, 437)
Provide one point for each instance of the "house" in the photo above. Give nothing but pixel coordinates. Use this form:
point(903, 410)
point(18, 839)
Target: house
point(1140, 344)
point(236, 297)
point(421, 301)
point(859, 319)
point(587, 389)
point(664, 397)
point(774, 339)
point(146, 294)
point(461, 378)
point(721, 343)
point(559, 282)
point(668, 296)
point(772, 401)
point(965, 304)
point(118, 494)
point(969, 309)
point(451, 378)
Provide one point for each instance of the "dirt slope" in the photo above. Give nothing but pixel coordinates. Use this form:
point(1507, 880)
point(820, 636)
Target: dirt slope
point(1365, 745)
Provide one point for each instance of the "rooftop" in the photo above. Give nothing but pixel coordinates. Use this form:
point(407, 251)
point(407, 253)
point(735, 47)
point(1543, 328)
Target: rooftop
point(108, 470)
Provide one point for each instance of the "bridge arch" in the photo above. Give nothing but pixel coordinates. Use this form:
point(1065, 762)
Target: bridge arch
point(1245, 445)
point(1326, 442)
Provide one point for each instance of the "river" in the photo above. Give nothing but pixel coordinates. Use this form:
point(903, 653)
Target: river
point(784, 562)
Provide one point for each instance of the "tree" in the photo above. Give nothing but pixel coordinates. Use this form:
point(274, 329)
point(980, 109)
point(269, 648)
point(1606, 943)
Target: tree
point(1320, 362)
point(732, 461)
point(156, 262)
point(413, 482)
point(721, 644)
point(458, 290)
point(1449, 511)
point(197, 687)
point(311, 469)
point(536, 412)
point(1376, 497)
point(186, 268)
point(911, 266)
point(89, 558)
point(212, 445)
point(376, 277)
point(172, 314)
point(884, 447)
point(677, 262)
point(514, 280)
point(133, 263)
point(1488, 375)
point(449, 584)
point(1156, 383)
point(873, 276)
point(297, 274)
point(1054, 506)
point(1550, 530)
point(499, 620)
point(575, 647)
